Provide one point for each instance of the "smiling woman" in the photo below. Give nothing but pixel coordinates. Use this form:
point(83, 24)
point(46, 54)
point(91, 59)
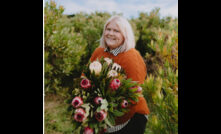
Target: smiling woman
point(117, 33)
point(117, 43)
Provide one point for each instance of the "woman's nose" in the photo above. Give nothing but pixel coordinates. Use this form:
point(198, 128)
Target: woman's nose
point(111, 32)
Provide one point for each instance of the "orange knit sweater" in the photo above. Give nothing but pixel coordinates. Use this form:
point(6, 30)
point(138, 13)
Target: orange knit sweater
point(135, 68)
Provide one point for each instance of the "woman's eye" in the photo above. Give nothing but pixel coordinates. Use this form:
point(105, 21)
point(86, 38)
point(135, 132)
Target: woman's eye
point(116, 31)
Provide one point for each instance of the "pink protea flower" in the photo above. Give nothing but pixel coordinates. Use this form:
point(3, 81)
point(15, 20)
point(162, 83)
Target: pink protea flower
point(100, 116)
point(98, 100)
point(124, 104)
point(115, 84)
point(77, 102)
point(88, 130)
point(85, 83)
point(80, 115)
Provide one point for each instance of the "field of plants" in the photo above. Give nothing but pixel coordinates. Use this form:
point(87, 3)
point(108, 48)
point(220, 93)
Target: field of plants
point(69, 41)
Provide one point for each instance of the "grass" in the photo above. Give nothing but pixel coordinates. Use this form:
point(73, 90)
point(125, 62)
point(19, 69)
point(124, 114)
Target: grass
point(56, 118)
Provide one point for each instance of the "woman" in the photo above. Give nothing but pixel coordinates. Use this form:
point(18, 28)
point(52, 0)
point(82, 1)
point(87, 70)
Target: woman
point(117, 42)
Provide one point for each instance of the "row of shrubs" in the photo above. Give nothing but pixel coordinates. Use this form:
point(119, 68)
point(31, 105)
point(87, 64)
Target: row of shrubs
point(69, 41)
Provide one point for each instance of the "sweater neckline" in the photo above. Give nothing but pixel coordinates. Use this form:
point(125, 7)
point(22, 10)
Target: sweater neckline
point(119, 53)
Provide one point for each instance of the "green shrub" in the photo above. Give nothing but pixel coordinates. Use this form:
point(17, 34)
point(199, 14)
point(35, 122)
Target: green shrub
point(90, 26)
point(161, 93)
point(63, 50)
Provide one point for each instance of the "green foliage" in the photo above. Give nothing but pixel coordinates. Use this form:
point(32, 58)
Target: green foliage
point(161, 86)
point(161, 93)
point(63, 50)
point(90, 26)
point(146, 25)
point(148, 28)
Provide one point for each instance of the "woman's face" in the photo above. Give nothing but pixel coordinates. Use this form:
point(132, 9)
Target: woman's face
point(113, 36)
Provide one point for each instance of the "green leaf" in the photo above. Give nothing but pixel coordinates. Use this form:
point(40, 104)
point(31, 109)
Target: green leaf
point(91, 113)
point(111, 109)
point(77, 131)
point(118, 113)
point(74, 124)
point(133, 90)
point(108, 122)
point(111, 119)
point(115, 104)
point(98, 109)
point(96, 130)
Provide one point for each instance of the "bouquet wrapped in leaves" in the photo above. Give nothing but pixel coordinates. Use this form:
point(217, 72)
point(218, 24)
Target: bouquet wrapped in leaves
point(104, 93)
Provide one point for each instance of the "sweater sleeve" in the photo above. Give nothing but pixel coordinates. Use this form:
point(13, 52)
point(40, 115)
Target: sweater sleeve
point(136, 68)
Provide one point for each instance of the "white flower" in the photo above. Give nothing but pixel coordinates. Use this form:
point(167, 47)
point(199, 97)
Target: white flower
point(112, 73)
point(116, 67)
point(96, 67)
point(108, 60)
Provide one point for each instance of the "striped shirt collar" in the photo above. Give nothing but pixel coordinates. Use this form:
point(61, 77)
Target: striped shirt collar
point(115, 51)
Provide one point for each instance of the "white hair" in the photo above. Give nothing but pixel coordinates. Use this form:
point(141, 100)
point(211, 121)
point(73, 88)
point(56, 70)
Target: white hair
point(126, 31)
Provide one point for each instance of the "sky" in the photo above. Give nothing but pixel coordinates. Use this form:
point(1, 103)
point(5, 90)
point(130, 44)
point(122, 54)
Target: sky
point(129, 8)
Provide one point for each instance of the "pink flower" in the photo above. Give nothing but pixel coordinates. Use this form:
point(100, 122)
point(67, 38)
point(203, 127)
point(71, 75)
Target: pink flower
point(98, 100)
point(80, 115)
point(139, 89)
point(100, 116)
point(88, 130)
point(124, 104)
point(85, 83)
point(115, 84)
point(77, 102)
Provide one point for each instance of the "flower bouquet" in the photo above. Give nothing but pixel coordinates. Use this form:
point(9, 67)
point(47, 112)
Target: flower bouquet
point(104, 93)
